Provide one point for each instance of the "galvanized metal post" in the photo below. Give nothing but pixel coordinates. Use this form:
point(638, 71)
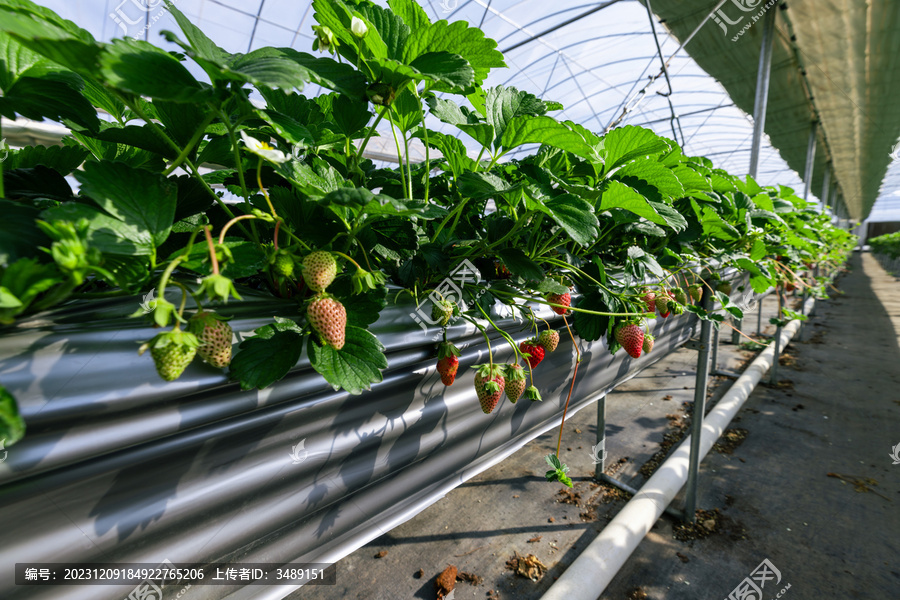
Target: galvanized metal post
point(714, 351)
point(810, 160)
point(763, 76)
point(735, 333)
point(600, 449)
point(698, 412)
point(759, 307)
point(773, 373)
point(826, 188)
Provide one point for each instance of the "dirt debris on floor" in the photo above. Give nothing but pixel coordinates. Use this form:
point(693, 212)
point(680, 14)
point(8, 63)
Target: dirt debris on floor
point(730, 440)
point(529, 567)
point(445, 582)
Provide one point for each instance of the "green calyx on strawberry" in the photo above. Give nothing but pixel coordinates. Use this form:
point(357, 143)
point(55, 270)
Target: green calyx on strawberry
point(563, 299)
point(448, 362)
point(217, 287)
point(328, 318)
point(515, 382)
point(632, 339)
point(172, 352)
point(648, 343)
point(548, 340)
point(489, 386)
point(534, 352)
point(362, 281)
point(215, 336)
point(442, 311)
point(319, 270)
point(533, 394)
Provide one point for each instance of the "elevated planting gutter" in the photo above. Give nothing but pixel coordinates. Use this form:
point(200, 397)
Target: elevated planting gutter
point(119, 466)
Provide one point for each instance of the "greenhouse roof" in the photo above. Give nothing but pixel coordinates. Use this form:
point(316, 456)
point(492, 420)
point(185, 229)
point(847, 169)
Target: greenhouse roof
point(603, 62)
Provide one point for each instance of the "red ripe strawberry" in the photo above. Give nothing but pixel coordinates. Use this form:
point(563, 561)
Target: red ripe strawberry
point(535, 351)
point(172, 352)
point(564, 299)
point(489, 385)
point(448, 362)
point(515, 382)
point(214, 335)
point(328, 318)
point(319, 270)
point(548, 340)
point(649, 299)
point(648, 343)
point(632, 339)
point(662, 305)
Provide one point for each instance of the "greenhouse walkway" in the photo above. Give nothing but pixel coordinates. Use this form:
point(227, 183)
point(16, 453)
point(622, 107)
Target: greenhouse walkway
point(802, 479)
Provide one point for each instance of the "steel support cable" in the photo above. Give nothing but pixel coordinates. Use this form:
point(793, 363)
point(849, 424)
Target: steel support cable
point(674, 119)
point(255, 25)
point(575, 19)
point(630, 106)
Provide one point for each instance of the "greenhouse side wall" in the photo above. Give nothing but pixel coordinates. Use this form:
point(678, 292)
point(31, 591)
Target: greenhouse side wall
point(119, 466)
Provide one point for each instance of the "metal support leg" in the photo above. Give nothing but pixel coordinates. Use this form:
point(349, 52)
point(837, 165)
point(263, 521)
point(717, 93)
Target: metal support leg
point(759, 310)
point(699, 411)
point(735, 333)
point(773, 373)
point(714, 351)
point(600, 448)
point(761, 101)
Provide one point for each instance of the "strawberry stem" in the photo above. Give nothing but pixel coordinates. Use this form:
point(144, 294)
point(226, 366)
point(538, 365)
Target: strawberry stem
point(262, 189)
point(571, 387)
point(212, 251)
point(505, 335)
point(232, 222)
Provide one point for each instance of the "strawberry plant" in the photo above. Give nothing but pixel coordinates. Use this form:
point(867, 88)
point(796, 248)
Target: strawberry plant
point(192, 190)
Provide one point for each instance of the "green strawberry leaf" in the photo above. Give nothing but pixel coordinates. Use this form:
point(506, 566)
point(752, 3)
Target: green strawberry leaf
point(355, 367)
point(625, 144)
point(519, 264)
point(269, 355)
point(12, 425)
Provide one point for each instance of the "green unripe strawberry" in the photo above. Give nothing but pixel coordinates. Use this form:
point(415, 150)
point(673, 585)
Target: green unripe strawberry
point(515, 382)
point(319, 270)
point(724, 287)
point(696, 292)
point(172, 352)
point(442, 312)
point(648, 343)
point(549, 340)
point(680, 296)
point(214, 335)
point(283, 265)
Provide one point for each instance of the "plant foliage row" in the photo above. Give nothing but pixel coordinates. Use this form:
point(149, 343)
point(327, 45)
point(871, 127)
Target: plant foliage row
point(191, 185)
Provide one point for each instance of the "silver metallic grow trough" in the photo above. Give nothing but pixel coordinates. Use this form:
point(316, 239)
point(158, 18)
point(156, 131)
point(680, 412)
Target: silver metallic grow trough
point(119, 466)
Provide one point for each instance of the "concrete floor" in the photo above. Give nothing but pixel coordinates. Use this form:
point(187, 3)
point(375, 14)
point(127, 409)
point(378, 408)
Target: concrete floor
point(837, 411)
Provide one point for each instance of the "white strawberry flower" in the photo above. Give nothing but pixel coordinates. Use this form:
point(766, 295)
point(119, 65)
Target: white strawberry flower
point(358, 27)
point(264, 149)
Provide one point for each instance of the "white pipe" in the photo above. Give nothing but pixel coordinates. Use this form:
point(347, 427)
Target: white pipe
point(588, 576)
